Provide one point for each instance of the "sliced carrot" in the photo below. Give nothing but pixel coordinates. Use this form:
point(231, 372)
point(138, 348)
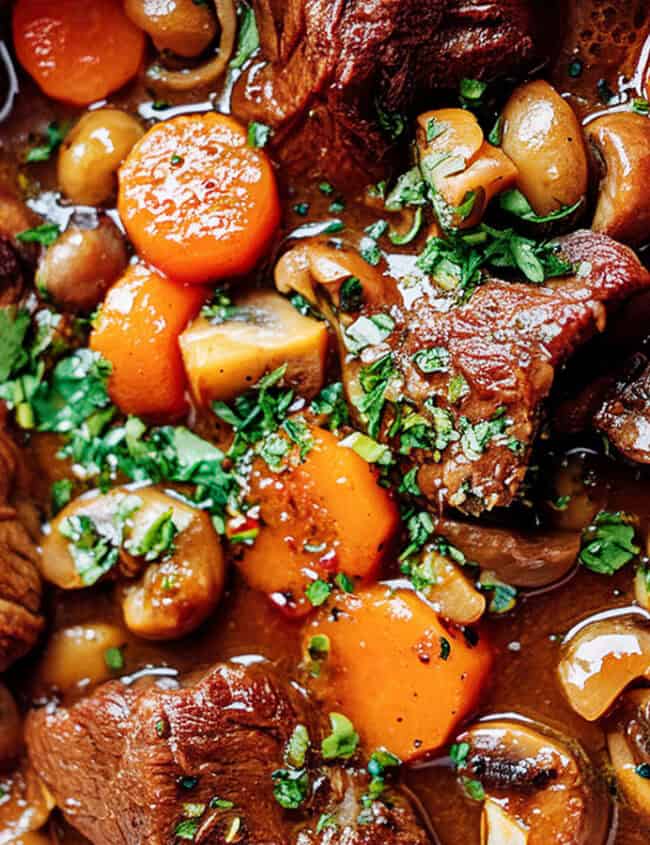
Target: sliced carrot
point(403, 678)
point(137, 331)
point(325, 516)
point(78, 52)
point(196, 200)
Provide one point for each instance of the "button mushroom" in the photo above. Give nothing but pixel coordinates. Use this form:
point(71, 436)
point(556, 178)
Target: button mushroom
point(601, 657)
point(537, 789)
point(628, 742)
point(78, 269)
point(543, 137)
point(447, 588)
point(465, 170)
point(92, 153)
point(621, 144)
point(184, 27)
point(164, 554)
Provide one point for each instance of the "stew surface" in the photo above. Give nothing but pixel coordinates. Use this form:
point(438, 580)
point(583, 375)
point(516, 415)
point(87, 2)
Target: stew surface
point(324, 422)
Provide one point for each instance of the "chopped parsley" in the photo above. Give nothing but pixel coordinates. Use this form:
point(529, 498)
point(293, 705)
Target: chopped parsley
point(374, 380)
point(158, 540)
point(45, 234)
point(608, 543)
point(471, 92)
point(342, 742)
point(331, 403)
point(259, 134)
point(114, 658)
point(54, 137)
point(351, 295)
point(317, 592)
point(297, 747)
point(248, 40)
point(60, 494)
point(290, 787)
point(433, 360)
point(515, 202)
point(445, 648)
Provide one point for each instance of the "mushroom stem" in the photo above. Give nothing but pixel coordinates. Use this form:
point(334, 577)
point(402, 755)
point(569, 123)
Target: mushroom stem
point(210, 71)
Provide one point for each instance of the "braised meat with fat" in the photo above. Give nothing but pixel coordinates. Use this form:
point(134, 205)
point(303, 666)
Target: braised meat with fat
point(133, 764)
point(339, 74)
point(625, 413)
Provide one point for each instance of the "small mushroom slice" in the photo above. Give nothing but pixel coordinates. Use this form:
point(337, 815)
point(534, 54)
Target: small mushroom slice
point(448, 589)
point(629, 749)
point(539, 788)
point(621, 143)
point(601, 658)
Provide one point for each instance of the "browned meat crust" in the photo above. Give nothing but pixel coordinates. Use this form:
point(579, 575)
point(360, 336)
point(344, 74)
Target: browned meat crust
point(335, 68)
point(114, 762)
point(507, 342)
point(625, 413)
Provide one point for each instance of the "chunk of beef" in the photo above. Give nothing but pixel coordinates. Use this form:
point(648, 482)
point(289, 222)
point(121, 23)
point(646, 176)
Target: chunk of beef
point(624, 415)
point(126, 764)
point(337, 71)
point(20, 584)
point(506, 343)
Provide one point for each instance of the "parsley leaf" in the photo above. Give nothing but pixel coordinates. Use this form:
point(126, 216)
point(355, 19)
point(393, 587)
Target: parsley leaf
point(290, 787)
point(45, 234)
point(608, 543)
point(43, 152)
point(248, 40)
point(14, 325)
point(259, 134)
point(342, 742)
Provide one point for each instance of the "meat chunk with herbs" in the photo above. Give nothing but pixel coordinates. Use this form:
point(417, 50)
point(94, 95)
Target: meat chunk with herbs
point(454, 381)
point(20, 583)
point(625, 413)
point(339, 76)
point(224, 758)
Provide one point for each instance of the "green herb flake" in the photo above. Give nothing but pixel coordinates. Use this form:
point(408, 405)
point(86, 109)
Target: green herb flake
point(325, 820)
point(473, 789)
point(351, 295)
point(248, 40)
point(496, 133)
point(608, 543)
point(187, 829)
point(575, 68)
point(114, 659)
point(319, 647)
point(259, 134)
point(43, 152)
point(326, 189)
point(60, 494)
point(296, 751)
point(445, 648)
point(45, 234)
point(301, 209)
point(472, 91)
point(158, 539)
point(433, 360)
point(344, 582)
point(342, 742)
point(459, 753)
point(290, 787)
point(318, 592)
point(643, 770)
point(217, 803)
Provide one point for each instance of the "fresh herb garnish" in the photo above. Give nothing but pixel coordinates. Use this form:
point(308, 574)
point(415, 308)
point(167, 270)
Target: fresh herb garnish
point(516, 203)
point(290, 787)
point(342, 742)
point(317, 592)
point(45, 234)
point(608, 543)
point(43, 152)
point(248, 40)
point(259, 134)
point(114, 658)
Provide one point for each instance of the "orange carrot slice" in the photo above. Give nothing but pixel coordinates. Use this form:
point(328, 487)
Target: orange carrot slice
point(78, 52)
point(197, 201)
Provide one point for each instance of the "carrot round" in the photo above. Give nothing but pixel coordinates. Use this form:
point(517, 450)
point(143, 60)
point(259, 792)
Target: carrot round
point(325, 516)
point(137, 332)
point(403, 678)
point(197, 201)
point(78, 52)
